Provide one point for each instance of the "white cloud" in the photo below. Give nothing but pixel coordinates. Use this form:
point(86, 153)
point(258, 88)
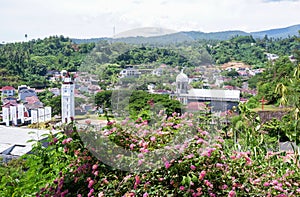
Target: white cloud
point(96, 18)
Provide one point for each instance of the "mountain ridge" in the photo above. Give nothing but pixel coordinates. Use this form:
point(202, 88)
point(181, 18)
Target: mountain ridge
point(183, 36)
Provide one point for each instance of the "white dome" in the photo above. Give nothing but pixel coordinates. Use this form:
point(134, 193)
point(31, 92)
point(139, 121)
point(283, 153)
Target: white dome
point(182, 77)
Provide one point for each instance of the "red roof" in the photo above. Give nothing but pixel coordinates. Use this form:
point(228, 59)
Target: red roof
point(7, 88)
point(32, 99)
point(10, 103)
point(196, 106)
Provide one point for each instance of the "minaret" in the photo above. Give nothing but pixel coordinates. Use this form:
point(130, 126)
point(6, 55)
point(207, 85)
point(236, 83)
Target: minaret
point(182, 81)
point(67, 100)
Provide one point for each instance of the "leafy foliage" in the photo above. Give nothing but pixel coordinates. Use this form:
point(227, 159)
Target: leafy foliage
point(210, 163)
point(250, 51)
point(140, 101)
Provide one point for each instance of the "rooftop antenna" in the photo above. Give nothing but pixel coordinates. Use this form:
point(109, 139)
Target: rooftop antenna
point(114, 31)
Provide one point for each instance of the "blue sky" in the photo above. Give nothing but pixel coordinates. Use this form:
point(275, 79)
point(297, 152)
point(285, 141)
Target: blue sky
point(96, 18)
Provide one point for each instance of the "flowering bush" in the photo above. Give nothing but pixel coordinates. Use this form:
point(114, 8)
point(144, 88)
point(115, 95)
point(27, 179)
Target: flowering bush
point(173, 155)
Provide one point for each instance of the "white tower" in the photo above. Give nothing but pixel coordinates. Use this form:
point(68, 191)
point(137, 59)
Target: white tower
point(67, 100)
point(182, 81)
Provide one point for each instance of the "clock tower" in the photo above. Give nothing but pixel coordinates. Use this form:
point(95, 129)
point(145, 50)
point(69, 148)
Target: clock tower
point(67, 100)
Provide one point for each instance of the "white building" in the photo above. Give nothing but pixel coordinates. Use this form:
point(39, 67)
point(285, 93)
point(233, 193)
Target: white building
point(67, 100)
point(219, 100)
point(129, 72)
point(8, 91)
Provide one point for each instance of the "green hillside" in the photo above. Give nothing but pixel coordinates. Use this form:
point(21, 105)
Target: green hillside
point(28, 62)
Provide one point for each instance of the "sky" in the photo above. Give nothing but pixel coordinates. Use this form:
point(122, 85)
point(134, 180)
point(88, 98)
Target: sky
point(99, 18)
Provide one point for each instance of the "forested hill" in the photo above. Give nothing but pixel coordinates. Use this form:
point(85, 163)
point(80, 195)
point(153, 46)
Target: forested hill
point(28, 62)
point(252, 51)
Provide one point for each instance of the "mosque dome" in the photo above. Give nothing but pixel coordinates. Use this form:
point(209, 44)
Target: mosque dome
point(182, 77)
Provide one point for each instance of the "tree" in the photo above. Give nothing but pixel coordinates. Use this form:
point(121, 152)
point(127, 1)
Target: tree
point(55, 104)
point(103, 99)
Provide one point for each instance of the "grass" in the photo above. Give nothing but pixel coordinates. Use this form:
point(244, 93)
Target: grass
point(270, 108)
point(90, 116)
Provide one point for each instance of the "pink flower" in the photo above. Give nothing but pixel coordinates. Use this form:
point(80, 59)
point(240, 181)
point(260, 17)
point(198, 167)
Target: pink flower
point(167, 164)
point(190, 156)
point(96, 173)
point(208, 184)
point(105, 181)
point(181, 188)
point(91, 183)
point(145, 194)
point(109, 123)
point(64, 141)
point(140, 162)
point(224, 187)
point(95, 166)
point(55, 140)
point(131, 146)
point(288, 184)
point(152, 138)
point(256, 181)
point(137, 181)
point(199, 141)
point(233, 157)
point(218, 165)
point(298, 190)
point(231, 193)
point(212, 194)
point(140, 155)
point(274, 182)
point(202, 175)
point(91, 193)
point(266, 184)
point(193, 167)
point(218, 145)
point(101, 194)
point(248, 161)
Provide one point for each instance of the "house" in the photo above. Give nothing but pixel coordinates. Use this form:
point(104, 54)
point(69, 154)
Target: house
point(9, 99)
point(237, 66)
point(21, 87)
point(55, 91)
point(272, 57)
point(158, 71)
point(130, 72)
point(23, 93)
point(8, 91)
point(32, 103)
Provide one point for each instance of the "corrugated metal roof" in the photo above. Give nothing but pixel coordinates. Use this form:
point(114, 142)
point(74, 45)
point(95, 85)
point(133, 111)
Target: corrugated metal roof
point(14, 140)
point(212, 93)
